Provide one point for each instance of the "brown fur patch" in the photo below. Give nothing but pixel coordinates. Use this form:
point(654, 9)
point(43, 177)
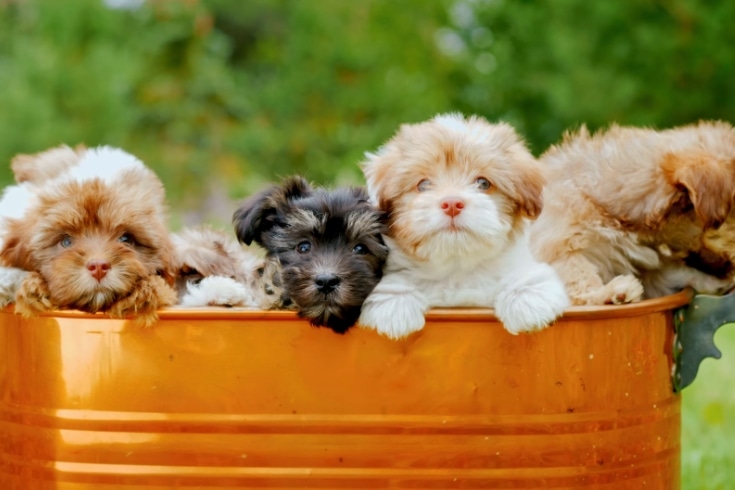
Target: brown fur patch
point(74, 224)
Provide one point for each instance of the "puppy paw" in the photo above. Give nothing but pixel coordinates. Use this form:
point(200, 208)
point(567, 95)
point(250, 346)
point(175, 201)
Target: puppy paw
point(11, 279)
point(623, 289)
point(150, 294)
point(218, 291)
point(531, 307)
point(395, 316)
point(33, 296)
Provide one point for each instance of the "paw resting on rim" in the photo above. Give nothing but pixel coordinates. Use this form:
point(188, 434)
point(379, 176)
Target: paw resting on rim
point(150, 294)
point(395, 317)
point(33, 297)
point(623, 289)
point(530, 308)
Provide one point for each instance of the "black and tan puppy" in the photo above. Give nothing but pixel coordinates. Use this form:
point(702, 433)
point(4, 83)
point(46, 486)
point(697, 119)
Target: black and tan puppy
point(327, 243)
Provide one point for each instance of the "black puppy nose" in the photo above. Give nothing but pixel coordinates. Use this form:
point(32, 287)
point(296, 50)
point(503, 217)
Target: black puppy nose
point(326, 283)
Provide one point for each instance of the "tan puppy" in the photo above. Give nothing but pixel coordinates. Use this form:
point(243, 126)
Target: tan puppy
point(634, 213)
point(213, 269)
point(91, 234)
point(459, 193)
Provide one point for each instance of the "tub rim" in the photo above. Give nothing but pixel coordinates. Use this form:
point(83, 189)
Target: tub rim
point(460, 314)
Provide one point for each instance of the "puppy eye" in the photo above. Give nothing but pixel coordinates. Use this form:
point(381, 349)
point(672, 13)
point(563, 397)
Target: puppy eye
point(360, 249)
point(303, 247)
point(424, 185)
point(126, 238)
point(66, 241)
point(482, 183)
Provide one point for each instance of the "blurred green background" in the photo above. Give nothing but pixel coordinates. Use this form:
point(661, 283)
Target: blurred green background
point(221, 96)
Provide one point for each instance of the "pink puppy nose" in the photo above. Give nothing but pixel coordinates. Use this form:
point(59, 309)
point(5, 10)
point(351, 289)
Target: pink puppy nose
point(98, 268)
point(452, 206)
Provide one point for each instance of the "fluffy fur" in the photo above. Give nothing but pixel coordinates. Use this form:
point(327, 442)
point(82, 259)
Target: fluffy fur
point(89, 227)
point(636, 213)
point(30, 171)
point(327, 243)
point(213, 269)
point(459, 193)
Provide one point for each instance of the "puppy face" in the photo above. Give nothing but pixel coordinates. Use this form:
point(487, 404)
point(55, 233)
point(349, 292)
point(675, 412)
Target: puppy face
point(91, 241)
point(203, 252)
point(454, 186)
point(328, 244)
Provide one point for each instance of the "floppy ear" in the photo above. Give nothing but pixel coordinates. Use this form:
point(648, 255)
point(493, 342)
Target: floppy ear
point(524, 183)
point(15, 251)
point(529, 192)
point(709, 183)
point(259, 213)
point(168, 270)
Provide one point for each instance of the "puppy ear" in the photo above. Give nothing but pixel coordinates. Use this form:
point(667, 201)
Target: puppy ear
point(259, 213)
point(529, 192)
point(709, 183)
point(524, 182)
point(168, 271)
point(359, 193)
point(15, 251)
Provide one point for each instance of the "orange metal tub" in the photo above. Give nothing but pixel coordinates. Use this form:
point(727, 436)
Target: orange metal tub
point(226, 399)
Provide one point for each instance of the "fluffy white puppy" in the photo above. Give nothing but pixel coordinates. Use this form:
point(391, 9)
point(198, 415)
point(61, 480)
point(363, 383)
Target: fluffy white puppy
point(459, 194)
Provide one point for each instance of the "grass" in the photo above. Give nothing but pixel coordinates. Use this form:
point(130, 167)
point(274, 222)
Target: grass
point(708, 421)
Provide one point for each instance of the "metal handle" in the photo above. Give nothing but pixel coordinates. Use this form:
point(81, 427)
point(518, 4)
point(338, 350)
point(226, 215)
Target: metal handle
point(696, 325)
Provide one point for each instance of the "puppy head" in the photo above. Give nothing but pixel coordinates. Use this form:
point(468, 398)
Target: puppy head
point(92, 241)
point(203, 251)
point(454, 186)
point(328, 245)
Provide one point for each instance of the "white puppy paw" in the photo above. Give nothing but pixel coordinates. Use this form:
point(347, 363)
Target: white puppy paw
point(218, 291)
point(531, 307)
point(395, 316)
point(623, 289)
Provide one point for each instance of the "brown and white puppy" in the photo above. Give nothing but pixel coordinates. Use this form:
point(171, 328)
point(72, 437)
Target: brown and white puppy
point(636, 213)
point(92, 236)
point(213, 269)
point(327, 244)
point(459, 193)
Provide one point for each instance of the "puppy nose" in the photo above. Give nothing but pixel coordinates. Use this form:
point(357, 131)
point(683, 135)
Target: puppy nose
point(98, 268)
point(452, 206)
point(326, 283)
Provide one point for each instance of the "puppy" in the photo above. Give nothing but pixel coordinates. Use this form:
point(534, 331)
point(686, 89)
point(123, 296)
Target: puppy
point(214, 270)
point(327, 243)
point(92, 235)
point(634, 213)
point(459, 193)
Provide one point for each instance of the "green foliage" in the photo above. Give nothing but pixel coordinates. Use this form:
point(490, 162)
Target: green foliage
point(221, 95)
point(549, 66)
